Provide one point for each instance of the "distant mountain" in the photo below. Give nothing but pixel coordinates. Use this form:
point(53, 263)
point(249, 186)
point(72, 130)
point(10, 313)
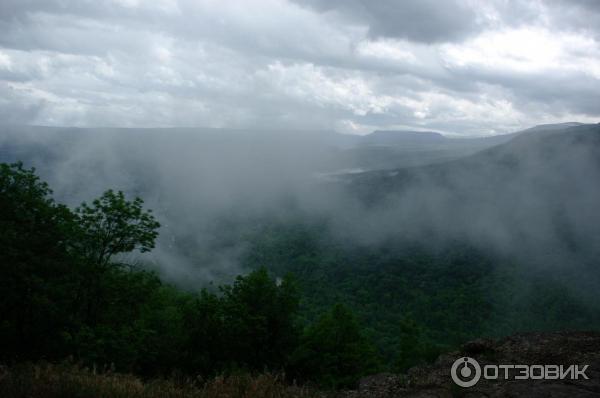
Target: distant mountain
point(553, 127)
point(538, 191)
point(312, 151)
point(420, 138)
point(518, 150)
point(390, 149)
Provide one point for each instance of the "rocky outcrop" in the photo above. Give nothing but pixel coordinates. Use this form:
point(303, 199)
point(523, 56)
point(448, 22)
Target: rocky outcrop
point(560, 348)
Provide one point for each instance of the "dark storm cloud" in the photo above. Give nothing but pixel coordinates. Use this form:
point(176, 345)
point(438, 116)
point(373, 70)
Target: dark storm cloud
point(580, 15)
point(427, 21)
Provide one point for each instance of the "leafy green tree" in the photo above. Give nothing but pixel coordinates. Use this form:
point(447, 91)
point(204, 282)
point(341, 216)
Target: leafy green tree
point(204, 351)
point(34, 265)
point(64, 295)
point(259, 319)
point(113, 225)
point(415, 348)
point(139, 328)
point(334, 350)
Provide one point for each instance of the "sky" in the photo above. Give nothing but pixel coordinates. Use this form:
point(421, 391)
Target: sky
point(461, 67)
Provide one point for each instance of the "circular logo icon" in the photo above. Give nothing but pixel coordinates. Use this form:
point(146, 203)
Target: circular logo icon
point(465, 372)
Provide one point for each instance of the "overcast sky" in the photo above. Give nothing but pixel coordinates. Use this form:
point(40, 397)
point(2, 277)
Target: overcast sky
point(462, 67)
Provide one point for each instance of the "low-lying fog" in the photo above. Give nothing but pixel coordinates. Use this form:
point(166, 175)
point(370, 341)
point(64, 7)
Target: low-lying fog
point(533, 194)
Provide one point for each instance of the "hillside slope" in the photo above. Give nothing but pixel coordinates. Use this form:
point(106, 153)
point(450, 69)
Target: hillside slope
point(538, 191)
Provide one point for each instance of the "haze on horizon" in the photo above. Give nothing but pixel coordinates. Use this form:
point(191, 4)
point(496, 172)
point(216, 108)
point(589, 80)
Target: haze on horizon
point(460, 67)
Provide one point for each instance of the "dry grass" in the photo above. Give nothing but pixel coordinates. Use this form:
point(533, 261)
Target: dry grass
point(70, 381)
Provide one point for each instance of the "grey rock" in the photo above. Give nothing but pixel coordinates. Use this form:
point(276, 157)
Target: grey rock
point(558, 348)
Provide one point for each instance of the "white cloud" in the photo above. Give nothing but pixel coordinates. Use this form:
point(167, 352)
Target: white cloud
point(5, 61)
point(391, 50)
point(272, 63)
point(525, 50)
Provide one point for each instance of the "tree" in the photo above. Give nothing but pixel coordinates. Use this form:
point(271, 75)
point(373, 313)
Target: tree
point(334, 351)
point(113, 225)
point(204, 351)
point(109, 226)
point(414, 348)
point(259, 320)
point(34, 265)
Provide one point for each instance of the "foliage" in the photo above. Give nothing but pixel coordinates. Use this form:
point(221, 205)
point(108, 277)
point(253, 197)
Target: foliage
point(259, 319)
point(420, 299)
point(65, 295)
point(249, 326)
point(113, 225)
point(34, 265)
point(334, 351)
